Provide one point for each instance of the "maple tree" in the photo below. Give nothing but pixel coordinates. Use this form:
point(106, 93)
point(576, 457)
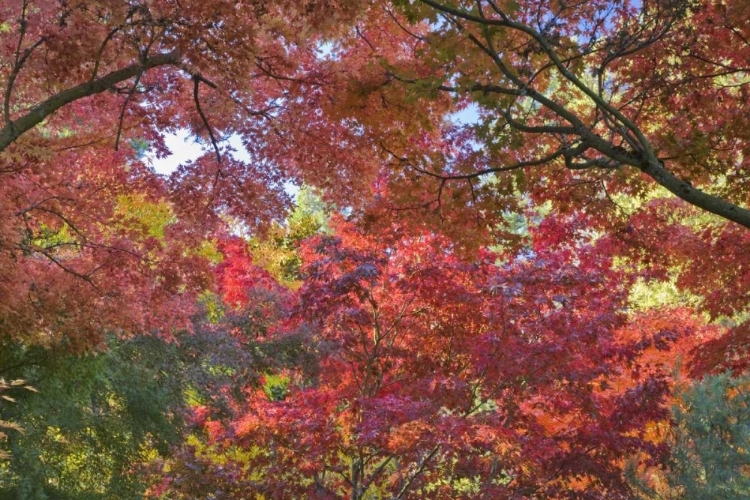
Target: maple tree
point(565, 94)
point(87, 85)
point(356, 98)
point(441, 378)
point(588, 107)
point(412, 361)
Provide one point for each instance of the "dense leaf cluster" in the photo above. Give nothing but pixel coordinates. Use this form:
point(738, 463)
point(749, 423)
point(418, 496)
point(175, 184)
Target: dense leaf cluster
point(531, 239)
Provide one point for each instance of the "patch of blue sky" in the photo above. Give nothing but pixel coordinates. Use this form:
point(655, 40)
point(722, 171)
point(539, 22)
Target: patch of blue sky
point(467, 116)
point(184, 149)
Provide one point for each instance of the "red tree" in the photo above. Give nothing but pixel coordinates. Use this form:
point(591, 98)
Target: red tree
point(86, 86)
point(577, 104)
point(439, 378)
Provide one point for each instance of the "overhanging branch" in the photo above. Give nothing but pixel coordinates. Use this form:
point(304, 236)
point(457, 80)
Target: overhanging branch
point(14, 129)
point(643, 157)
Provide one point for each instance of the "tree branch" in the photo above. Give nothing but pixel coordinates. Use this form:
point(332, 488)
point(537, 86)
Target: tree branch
point(20, 60)
point(196, 85)
point(643, 156)
point(13, 130)
point(419, 471)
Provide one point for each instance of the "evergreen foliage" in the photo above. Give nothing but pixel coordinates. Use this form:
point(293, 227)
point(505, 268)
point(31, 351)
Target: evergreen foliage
point(94, 417)
point(710, 457)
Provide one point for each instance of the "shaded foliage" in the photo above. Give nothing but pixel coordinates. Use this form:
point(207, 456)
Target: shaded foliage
point(95, 417)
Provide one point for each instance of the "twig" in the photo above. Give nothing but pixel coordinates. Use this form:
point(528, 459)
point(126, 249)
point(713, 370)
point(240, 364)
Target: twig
point(197, 79)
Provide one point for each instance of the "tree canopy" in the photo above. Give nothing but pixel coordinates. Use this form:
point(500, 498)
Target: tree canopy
point(580, 105)
point(522, 235)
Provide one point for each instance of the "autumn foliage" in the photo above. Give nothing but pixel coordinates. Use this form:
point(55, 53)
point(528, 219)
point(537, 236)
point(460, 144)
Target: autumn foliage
point(529, 238)
point(439, 377)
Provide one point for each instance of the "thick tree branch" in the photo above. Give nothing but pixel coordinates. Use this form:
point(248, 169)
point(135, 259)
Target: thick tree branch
point(642, 157)
point(13, 130)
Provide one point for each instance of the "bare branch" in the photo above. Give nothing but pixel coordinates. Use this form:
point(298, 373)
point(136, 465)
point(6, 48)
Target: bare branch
point(100, 52)
point(124, 108)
